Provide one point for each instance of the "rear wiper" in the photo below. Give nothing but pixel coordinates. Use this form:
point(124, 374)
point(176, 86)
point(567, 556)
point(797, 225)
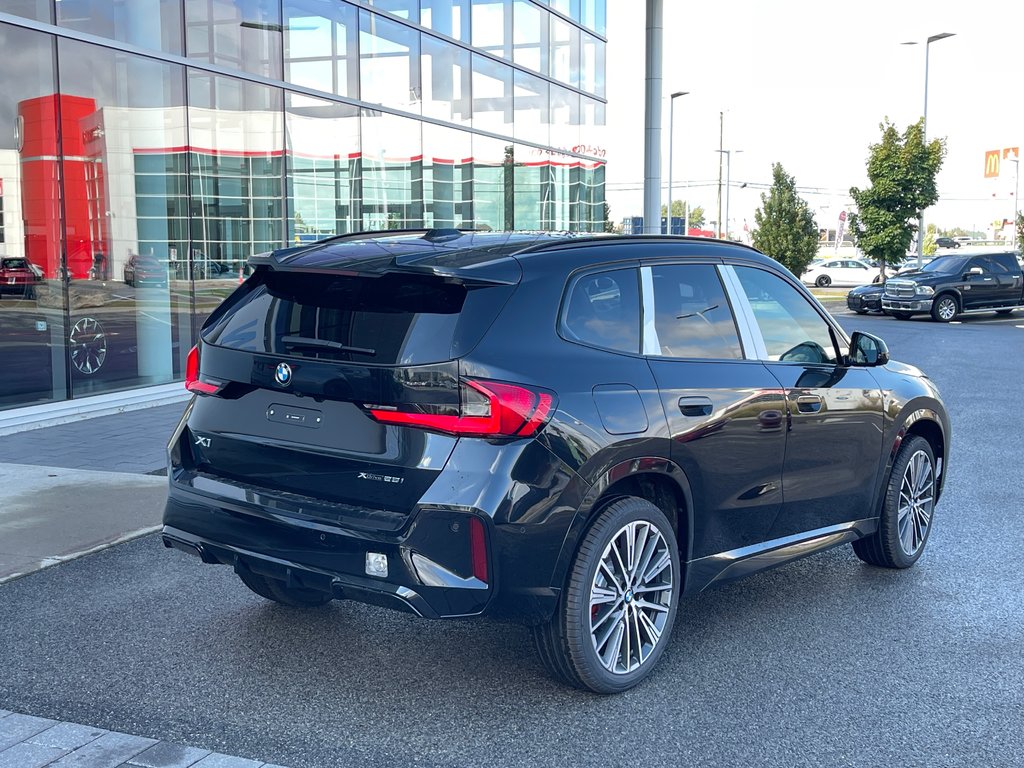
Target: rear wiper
point(306, 341)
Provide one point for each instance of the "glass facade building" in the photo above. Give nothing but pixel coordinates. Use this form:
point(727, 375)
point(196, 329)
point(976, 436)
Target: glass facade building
point(149, 147)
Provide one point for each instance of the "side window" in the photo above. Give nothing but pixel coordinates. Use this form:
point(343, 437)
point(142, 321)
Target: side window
point(999, 264)
point(692, 318)
point(603, 310)
point(980, 263)
point(793, 330)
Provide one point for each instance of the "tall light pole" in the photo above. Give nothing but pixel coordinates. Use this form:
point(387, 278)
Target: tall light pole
point(924, 133)
point(653, 96)
point(671, 137)
point(1016, 207)
point(728, 177)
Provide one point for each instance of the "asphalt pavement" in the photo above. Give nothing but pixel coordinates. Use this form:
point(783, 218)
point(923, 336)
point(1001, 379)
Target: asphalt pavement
point(825, 661)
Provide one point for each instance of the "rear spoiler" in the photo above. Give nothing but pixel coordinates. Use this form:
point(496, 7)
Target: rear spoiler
point(468, 266)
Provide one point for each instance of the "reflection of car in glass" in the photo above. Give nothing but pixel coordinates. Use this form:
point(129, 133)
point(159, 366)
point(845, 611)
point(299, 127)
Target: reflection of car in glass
point(144, 269)
point(572, 433)
point(840, 272)
point(946, 242)
point(17, 276)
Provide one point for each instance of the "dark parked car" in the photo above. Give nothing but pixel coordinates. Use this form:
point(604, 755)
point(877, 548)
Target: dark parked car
point(144, 269)
point(866, 298)
point(569, 432)
point(946, 242)
point(953, 285)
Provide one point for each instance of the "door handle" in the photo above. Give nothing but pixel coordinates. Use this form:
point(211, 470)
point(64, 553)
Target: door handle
point(808, 403)
point(695, 406)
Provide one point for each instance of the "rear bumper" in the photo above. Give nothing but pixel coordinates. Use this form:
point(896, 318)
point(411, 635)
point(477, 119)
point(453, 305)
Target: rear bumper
point(429, 563)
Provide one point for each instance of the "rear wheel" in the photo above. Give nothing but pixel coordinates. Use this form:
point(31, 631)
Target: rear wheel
point(279, 592)
point(616, 614)
point(945, 309)
point(906, 518)
point(823, 281)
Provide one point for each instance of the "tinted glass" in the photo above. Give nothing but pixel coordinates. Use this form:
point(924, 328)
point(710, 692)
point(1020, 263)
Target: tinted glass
point(592, 67)
point(406, 9)
point(1004, 263)
point(565, 52)
point(394, 319)
point(945, 265)
point(446, 81)
point(793, 330)
point(530, 36)
point(389, 62)
point(449, 17)
point(154, 24)
point(321, 44)
point(492, 95)
point(603, 310)
point(692, 318)
point(244, 34)
point(532, 121)
point(492, 26)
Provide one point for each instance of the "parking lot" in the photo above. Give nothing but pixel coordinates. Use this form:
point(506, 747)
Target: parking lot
point(823, 662)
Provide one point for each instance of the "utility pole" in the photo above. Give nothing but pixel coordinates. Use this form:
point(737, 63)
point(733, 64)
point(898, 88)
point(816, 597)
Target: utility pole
point(721, 146)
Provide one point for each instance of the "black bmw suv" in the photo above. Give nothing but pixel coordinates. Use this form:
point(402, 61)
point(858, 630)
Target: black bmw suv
point(569, 432)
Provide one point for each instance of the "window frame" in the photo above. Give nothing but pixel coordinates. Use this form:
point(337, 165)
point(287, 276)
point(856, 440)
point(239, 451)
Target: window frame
point(840, 341)
point(649, 343)
point(573, 280)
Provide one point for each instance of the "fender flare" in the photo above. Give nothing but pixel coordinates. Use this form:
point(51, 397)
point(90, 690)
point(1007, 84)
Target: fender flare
point(904, 421)
point(590, 507)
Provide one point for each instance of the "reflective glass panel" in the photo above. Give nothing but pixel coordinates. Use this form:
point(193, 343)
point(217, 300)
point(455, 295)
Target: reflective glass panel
point(447, 177)
point(392, 172)
point(446, 81)
point(236, 131)
point(530, 36)
point(493, 183)
point(565, 52)
point(321, 45)
point(32, 332)
point(406, 9)
point(449, 17)
point(492, 95)
point(692, 317)
point(126, 208)
point(533, 199)
point(154, 24)
point(492, 26)
point(531, 108)
point(324, 169)
point(40, 10)
point(593, 15)
point(565, 118)
point(592, 66)
point(389, 56)
point(243, 34)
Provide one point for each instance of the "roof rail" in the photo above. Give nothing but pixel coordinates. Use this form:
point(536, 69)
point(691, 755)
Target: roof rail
point(587, 240)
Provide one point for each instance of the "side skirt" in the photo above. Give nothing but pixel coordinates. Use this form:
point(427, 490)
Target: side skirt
point(728, 566)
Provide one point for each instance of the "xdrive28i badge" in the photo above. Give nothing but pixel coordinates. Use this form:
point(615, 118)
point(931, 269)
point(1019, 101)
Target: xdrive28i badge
point(283, 374)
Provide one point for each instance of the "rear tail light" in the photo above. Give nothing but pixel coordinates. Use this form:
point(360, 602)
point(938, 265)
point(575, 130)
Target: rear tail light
point(192, 381)
point(486, 409)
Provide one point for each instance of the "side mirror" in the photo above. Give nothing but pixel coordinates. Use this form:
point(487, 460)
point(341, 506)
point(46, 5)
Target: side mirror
point(867, 350)
point(973, 271)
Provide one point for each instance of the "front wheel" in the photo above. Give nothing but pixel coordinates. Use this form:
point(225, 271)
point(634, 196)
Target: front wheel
point(823, 281)
point(945, 309)
point(907, 509)
point(616, 613)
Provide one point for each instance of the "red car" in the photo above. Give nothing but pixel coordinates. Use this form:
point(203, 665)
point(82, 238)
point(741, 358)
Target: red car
point(17, 276)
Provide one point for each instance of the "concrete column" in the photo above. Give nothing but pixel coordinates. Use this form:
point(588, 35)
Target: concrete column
point(652, 118)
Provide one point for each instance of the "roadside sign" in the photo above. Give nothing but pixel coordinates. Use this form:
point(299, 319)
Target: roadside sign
point(992, 163)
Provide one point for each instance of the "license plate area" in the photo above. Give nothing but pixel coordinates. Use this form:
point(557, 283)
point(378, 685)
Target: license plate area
point(310, 418)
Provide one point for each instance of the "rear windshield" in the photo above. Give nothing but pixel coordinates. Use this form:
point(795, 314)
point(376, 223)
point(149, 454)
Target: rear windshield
point(14, 264)
point(390, 320)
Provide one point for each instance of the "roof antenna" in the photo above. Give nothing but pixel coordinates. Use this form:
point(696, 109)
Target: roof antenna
point(441, 235)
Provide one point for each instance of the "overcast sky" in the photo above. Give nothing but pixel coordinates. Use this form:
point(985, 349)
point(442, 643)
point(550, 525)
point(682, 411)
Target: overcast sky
point(806, 84)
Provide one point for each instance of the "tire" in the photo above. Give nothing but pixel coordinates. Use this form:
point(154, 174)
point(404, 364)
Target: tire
point(945, 308)
point(877, 279)
point(900, 315)
point(861, 311)
point(1004, 311)
point(276, 590)
point(570, 643)
point(899, 542)
point(823, 281)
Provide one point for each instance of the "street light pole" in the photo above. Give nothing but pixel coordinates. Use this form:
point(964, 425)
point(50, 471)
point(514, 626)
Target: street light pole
point(671, 138)
point(728, 180)
point(924, 133)
point(1016, 207)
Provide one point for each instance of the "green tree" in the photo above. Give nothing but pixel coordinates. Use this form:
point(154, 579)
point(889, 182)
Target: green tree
point(1020, 230)
point(931, 232)
point(784, 227)
point(679, 211)
point(902, 170)
point(607, 225)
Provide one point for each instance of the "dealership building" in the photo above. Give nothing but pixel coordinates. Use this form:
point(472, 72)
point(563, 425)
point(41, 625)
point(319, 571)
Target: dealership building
point(149, 147)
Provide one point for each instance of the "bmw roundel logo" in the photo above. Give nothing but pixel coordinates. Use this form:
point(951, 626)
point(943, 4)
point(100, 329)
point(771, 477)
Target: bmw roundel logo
point(283, 374)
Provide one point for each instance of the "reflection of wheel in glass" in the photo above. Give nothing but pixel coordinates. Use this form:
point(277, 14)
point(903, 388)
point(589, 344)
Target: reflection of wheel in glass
point(88, 344)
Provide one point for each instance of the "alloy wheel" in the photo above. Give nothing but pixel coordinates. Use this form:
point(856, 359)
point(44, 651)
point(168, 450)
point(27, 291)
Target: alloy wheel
point(947, 309)
point(88, 343)
point(630, 597)
point(916, 503)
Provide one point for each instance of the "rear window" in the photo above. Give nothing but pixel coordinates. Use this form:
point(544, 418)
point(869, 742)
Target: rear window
point(14, 264)
point(390, 320)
